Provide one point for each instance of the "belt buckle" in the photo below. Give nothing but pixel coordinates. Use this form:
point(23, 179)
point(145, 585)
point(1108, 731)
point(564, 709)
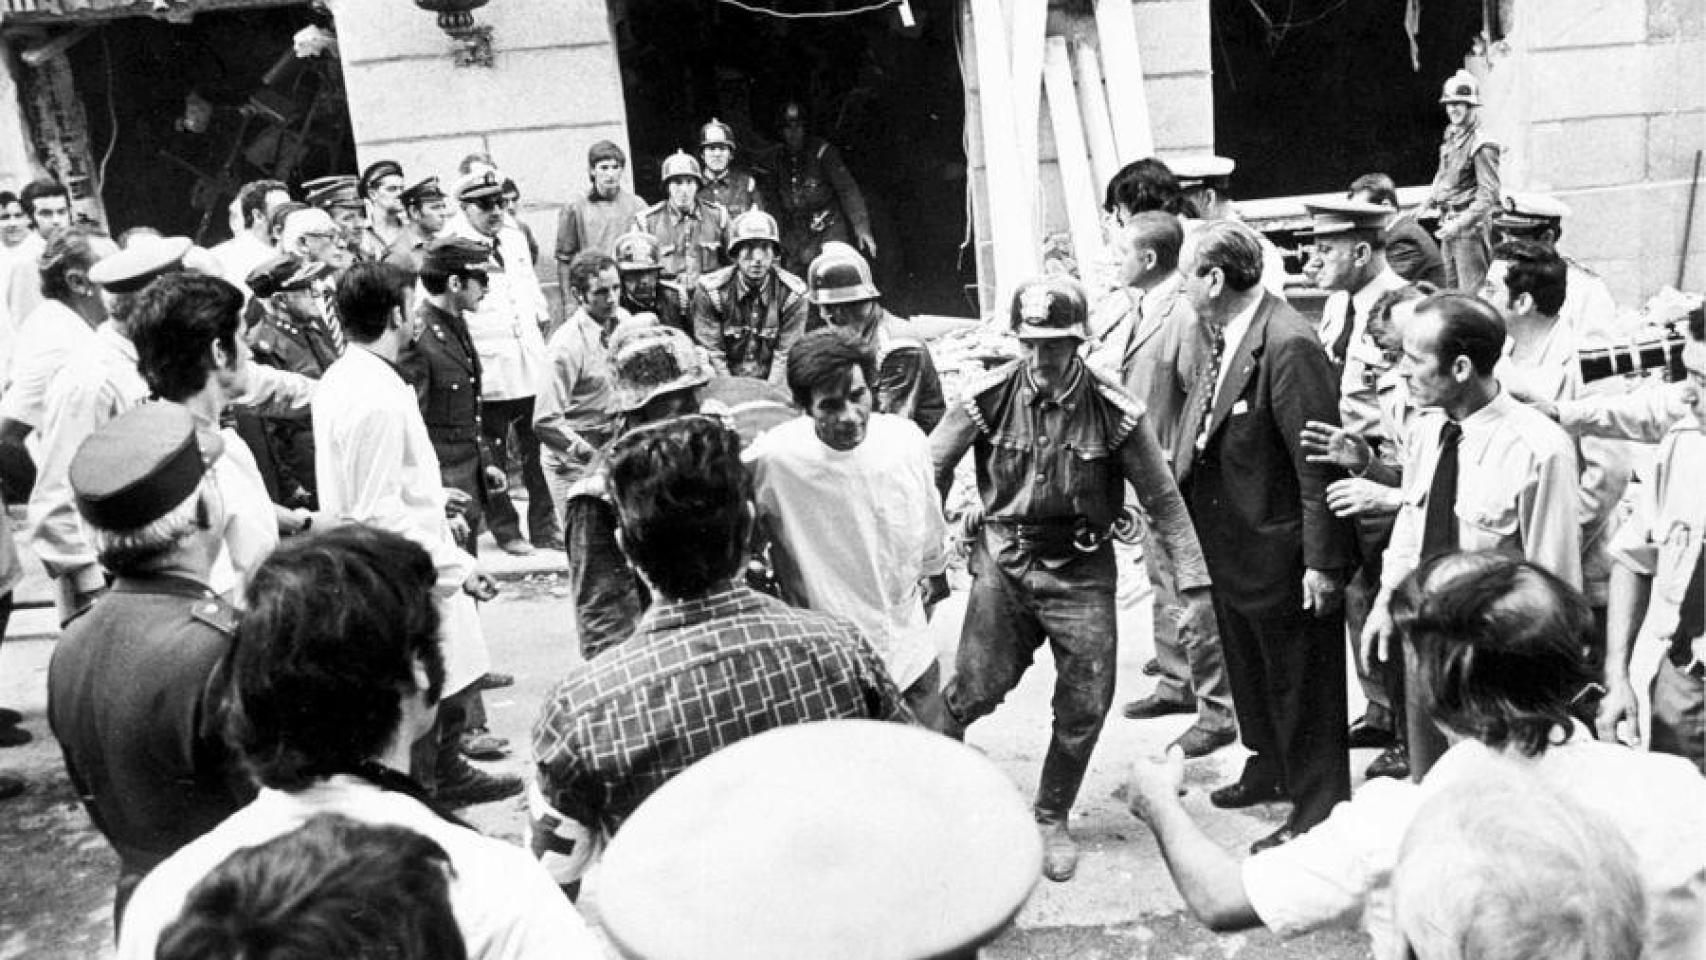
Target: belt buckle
point(1085, 539)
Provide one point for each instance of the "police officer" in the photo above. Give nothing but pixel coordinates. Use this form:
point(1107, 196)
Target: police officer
point(730, 185)
point(643, 288)
point(1588, 310)
point(1466, 185)
point(382, 187)
point(840, 287)
point(817, 199)
point(426, 210)
point(1205, 185)
point(340, 197)
point(692, 230)
point(749, 315)
point(292, 333)
point(136, 681)
point(1056, 442)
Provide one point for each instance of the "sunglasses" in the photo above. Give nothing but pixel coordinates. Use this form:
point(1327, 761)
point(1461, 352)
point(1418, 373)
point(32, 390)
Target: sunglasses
point(488, 203)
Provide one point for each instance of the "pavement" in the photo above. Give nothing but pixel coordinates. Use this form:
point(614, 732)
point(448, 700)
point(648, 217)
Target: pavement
point(55, 895)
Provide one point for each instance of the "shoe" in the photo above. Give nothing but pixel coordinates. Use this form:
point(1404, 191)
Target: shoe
point(1152, 667)
point(468, 786)
point(492, 680)
point(1364, 735)
point(555, 543)
point(11, 786)
point(1239, 794)
point(1393, 762)
point(1145, 708)
point(517, 547)
point(10, 717)
point(1060, 851)
point(481, 745)
point(1280, 837)
point(14, 736)
point(1200, 741)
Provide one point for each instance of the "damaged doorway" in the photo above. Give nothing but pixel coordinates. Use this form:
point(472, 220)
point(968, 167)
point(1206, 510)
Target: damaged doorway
point(887, 96)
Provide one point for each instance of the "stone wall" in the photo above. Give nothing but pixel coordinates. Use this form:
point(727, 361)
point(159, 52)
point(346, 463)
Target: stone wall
point(1603, 103)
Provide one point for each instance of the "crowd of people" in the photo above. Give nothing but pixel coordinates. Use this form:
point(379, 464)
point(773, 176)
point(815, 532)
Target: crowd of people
point(257, 475)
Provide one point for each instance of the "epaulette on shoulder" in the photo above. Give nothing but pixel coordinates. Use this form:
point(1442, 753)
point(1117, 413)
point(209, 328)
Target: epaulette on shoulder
point(655, 208)
point(790, 281)
point(1109, 389)
point(988, 380)
point(217, 614)
point(715, 280)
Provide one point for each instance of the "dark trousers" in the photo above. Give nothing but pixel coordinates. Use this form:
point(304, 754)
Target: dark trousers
point(1288, 689)
point(1009, 612)
point(439, 750)
point(498, 417)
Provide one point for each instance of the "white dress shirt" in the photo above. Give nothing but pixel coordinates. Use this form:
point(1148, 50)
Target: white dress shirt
point(1359, 409)
point(51, 336)
point(505, 327)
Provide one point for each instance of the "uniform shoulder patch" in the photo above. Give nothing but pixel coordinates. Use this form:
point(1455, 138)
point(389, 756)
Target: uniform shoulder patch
point(716, 279)
point(216, 613)
point(982, 383)
point(790, 281)
point(1109, 387)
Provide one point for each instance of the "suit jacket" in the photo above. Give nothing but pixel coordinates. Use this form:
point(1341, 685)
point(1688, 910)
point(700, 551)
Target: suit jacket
point(443, 367)
point(1258, 503)
point(1157, 357)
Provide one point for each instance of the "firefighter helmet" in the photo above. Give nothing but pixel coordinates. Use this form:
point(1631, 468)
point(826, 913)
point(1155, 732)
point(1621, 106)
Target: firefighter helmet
point(636, 250)
point(1462, 87)
point(751, 227)
point(839, 275)
point(716, 134)
point(679, 164)
point(1050, 307)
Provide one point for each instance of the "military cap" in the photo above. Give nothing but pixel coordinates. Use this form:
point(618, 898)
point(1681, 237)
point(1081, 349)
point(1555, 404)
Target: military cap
point(635, 251)
point(378, 170)
point(1201, 169)
point(1333, 217)
point(140, 465)
point(651, 361)
point(339, 191)
point(1049, 307)
point(842, 838)
point(1461, 87)
point(1529, 211)
point(137, 265)
point(422, 190)
point(480, 183)
point(283, 273)
point(456, 254)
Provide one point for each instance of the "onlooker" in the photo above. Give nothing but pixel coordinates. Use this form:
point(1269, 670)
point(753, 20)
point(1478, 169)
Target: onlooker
point(327, 698)
point(250, 242)
point(1413, 254)
point(47, 203)
point(593, 220)
point(571, 409)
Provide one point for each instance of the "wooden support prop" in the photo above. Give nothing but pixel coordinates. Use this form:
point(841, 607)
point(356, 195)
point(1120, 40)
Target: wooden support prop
point(1029, 22)
point(1093, 111)
point(1123, 63)
point(1015, 247)
point(1069, 145)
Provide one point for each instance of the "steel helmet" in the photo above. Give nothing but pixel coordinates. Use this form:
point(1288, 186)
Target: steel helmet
point(1049, 307)
point(752, 226)
point(636, 250)
point(716, 134)
point(1462, 87)
point(679, 164)
point(839, 275)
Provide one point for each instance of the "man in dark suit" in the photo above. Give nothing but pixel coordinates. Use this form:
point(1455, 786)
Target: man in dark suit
point(1275, 553)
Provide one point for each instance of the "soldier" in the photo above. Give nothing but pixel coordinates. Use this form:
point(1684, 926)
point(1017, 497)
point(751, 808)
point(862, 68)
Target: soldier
point(593, 220)
point(732, 186)
point(427, 211)
point(293, 333)
point(749, 315)
point(692, 231)
point(1056, 442)
point(136, 684)
point(1410, 249)
point(1204, 185)
point(1588, 310)
point(817, 199)
point(643, 288)
point(839, 285)
point(1466, 186)
point(340, 197)
point(382, 187)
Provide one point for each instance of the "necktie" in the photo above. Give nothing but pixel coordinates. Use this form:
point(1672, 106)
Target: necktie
point(1211, 384)
point(1691, 616)
point(1342, 342)
point(1439, 526)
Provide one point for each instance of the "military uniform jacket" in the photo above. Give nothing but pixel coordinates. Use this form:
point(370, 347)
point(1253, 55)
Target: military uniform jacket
point(135, 698)
point(749, 328)
point(285, 342)
point(670, 306)
point(736, 189)
point(907, 382)
point(444, 370)
point(689, 244)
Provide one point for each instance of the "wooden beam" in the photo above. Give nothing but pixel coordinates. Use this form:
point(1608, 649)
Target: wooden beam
point(1014, 245)
point(1093, 111)
point(1029, 23)
point(1075, 176)
point(1123, 63)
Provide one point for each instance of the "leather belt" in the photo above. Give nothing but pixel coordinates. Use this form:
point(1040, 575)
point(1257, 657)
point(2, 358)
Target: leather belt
point(1054, 535)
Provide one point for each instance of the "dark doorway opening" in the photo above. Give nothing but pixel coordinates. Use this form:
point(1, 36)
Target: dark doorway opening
point(889, 98)
point(259, 112)
point(1311, 94)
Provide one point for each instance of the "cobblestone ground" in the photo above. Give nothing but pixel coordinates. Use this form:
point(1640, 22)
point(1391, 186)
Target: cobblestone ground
point(55, 888)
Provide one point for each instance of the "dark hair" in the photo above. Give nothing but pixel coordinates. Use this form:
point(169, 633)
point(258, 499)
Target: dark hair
point(275, 220)
point(252, 199)
point(467, 163)
point(1142, 186)
point(333, 887)
point(173, 323)
point(1233, 247)
point(1500, 647)
point(1378, 186)
point(1697, 322)
point(367, 293)
point(1537, 270)
point(67, 249)
point(585, 268)
point(824, 358)
point(37, 189)
point(335, 626)
point(680, 493)
point(8, 197)
point(1160, 232)
point(1469, 327)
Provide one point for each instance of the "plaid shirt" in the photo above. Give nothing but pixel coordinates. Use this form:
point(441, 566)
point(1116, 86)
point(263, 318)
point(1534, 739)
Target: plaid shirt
point(696, 676)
